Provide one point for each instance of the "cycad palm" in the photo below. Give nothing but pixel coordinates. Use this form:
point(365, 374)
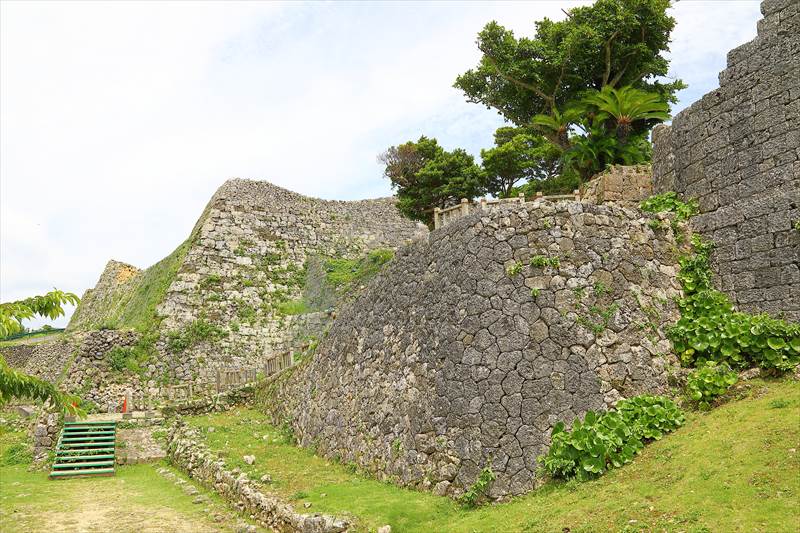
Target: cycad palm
point(626, 106)
point(558, 124)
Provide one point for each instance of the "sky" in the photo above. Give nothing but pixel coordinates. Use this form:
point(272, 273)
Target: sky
point(119, 120)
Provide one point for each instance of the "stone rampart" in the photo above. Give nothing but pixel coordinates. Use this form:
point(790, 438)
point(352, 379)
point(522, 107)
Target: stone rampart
point(472, 344)
point(737, 150)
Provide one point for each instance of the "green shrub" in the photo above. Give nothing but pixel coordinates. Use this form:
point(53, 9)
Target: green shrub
point(292, 307)
point(611, 439)
point(709, 382)
point(18, 453)
point(650, 416)
point(198, 331)
point(711, 330)
point(669, 201)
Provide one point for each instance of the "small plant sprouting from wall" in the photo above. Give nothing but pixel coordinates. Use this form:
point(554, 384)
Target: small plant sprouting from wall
point(514, 268)
point(471, 498)
point(542, 261)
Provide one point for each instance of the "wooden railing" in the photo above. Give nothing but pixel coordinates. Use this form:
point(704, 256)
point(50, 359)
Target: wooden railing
point(442, 217)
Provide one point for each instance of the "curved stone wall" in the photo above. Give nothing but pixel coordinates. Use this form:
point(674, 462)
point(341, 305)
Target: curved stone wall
point(472, 344)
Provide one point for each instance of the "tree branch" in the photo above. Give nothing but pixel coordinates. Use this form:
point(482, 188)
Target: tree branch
point(517, 82)
point(607, 73)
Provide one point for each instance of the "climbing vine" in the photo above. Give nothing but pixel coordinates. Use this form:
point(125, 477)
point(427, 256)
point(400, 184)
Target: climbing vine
point(710, 329)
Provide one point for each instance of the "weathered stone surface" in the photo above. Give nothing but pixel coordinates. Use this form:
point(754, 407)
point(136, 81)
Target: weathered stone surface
point(448, 362)
point(737, 150)
point(623, 185)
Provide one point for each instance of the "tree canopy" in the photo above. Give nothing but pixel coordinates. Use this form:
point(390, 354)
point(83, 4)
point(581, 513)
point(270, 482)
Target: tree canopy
point(610, 43)
point(519, 155)
point(427, 176)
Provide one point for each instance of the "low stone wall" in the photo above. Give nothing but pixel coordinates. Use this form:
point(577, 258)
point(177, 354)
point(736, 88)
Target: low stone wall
point(219, 402)
point(185, 451)
point(45, 434)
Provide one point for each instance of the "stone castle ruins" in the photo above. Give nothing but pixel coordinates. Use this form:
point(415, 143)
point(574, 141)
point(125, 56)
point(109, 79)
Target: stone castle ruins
point(470, 344)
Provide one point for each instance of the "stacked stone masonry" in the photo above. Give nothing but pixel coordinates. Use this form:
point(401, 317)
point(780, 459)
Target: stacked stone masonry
point(738, 151)
point(472, 344)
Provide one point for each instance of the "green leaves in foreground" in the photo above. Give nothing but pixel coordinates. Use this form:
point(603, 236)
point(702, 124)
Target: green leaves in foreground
point(709, 382)
point(611, 439)
point(17, 385)
point(710, 329)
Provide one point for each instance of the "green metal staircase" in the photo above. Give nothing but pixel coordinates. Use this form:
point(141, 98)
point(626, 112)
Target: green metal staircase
point(85, 449)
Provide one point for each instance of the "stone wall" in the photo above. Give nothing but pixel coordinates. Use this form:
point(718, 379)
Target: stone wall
point(737, 150)
point(624, 185)
point(243, 261)
point(186, 452)
point(467, 349)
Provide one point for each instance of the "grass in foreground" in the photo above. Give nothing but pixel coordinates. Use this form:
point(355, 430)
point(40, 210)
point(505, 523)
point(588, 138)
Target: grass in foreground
point(136, 500)
point(735, 468)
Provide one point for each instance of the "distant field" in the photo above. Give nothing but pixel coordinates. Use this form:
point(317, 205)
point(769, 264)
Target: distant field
point(736, 468)
point(32, 339)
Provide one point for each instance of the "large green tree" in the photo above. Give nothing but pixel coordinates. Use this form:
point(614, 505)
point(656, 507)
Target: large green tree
point(610, 43)
point(427, 176)
point(519, 155)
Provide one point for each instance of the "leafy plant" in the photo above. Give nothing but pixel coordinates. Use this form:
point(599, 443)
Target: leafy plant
point(541, 261)
point(514, 268)
point(710, 329)
point(49, 305)
point(535, 292)
point(709, 382)
point(478, 490)
point(197, 331)
point(669, 201)
point(611, 439)
point(600, 289)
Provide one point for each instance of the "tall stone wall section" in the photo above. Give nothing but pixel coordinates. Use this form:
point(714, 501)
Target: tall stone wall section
point(738, 151)
point(472, 344)
point(246, 258)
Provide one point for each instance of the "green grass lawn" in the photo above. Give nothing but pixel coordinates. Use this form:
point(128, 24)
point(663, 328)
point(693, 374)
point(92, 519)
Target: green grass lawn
point(136, 500)
point(735, 468)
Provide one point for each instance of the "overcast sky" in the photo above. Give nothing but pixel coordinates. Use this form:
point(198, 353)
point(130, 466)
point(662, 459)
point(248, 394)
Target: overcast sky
point(118, 121)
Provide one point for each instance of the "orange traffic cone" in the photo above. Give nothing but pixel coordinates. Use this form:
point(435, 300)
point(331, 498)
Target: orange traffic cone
point(125, 405)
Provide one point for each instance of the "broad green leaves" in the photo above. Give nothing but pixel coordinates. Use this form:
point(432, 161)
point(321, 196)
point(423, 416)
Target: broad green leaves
point(49, 305)
point(611, 439)
point(709, 382)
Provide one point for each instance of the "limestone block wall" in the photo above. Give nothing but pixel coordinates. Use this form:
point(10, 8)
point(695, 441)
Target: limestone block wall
point(737, 150)
point(624, 185)
point(247, 256)
point(472, 344)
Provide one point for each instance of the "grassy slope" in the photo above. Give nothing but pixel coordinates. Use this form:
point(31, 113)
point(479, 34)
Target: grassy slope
point(733, 469)
point(136, 500)
point(137, 309)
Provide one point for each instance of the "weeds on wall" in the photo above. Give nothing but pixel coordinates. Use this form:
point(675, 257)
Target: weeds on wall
point(198, 331)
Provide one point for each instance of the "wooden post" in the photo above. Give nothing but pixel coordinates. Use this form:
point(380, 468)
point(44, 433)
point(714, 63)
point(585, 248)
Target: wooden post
point(218, 381)
point(483, 203)
point(522, 197)
point(464, 206)
point(436, 215)
point(577, 193)
point(539, 195)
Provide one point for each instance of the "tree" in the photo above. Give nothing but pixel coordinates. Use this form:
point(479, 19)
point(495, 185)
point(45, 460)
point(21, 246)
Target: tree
point(427, 176)
point(610, 43)
point(14, 384)
point(49, 305)
point(609, 127)
point(518, 155)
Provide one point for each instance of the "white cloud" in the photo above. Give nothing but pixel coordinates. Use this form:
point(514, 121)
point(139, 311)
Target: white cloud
point(119, 120)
